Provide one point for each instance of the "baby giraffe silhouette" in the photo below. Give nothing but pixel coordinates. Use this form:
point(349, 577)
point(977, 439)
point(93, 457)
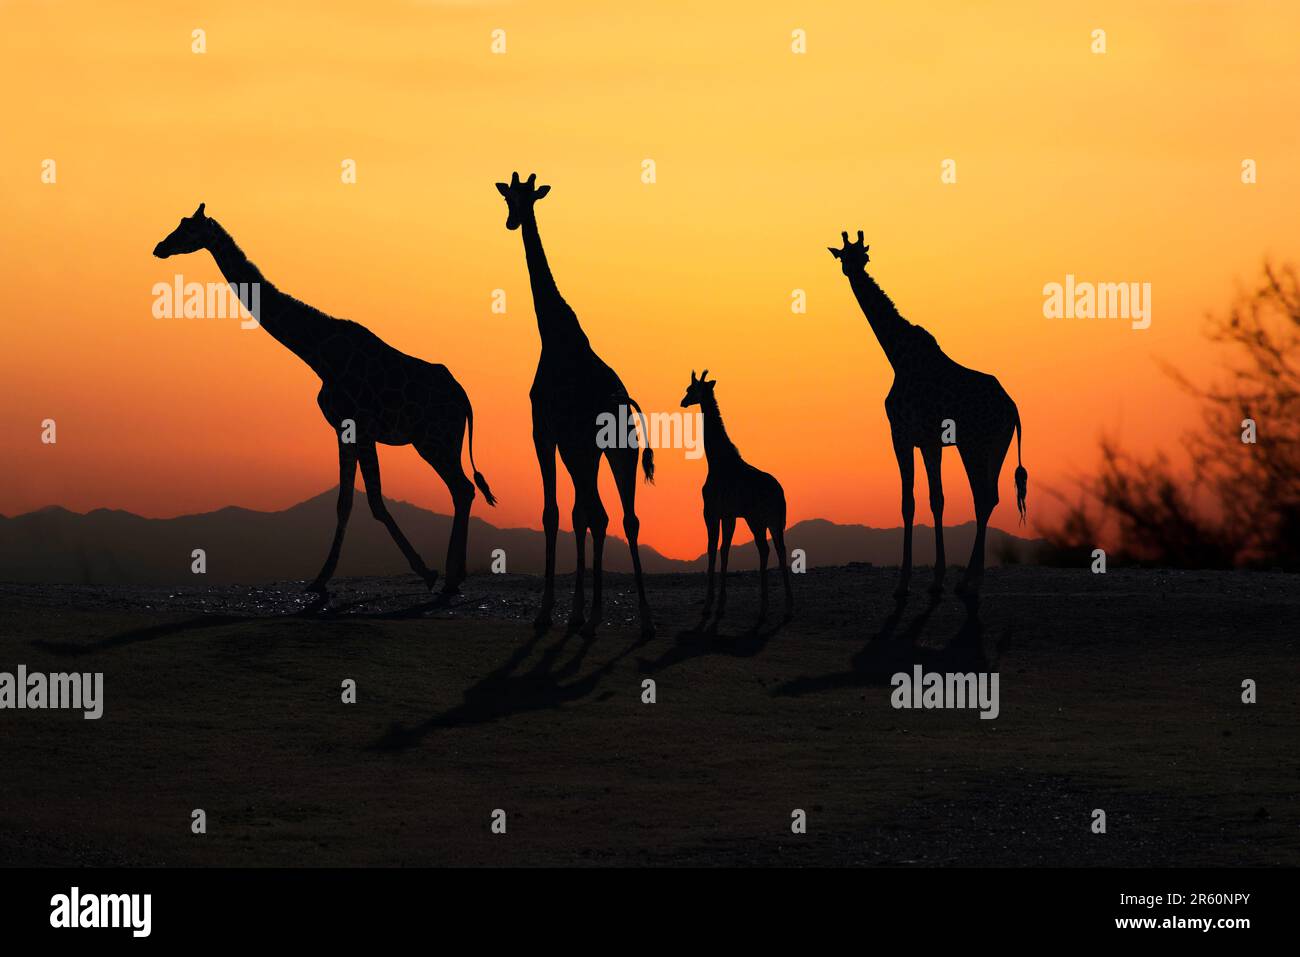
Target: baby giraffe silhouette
point(735, 489)
point(933, 402)
point(572, 391)
point(370, 393)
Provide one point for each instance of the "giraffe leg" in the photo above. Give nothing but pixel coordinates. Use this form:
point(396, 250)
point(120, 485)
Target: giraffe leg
point(624, 464)
point(369, 459)
point(969, 586)
point(347, 480)
point(545, 448)
point(582, 468)
point(983, 467)
point(577, 616)
point(598, 522)
point(461, 488)
point(728, 530)
point(907, 473)
point(778, 541)
point(711, 524)
point(932, 456)
point(973, 463)
point(760, 542)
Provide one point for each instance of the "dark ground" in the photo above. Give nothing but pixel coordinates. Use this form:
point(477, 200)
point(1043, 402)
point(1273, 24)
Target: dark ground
point(1118, 691)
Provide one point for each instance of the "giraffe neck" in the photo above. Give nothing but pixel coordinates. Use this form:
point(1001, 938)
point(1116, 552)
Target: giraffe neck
point(556, 321)
point(718, 447)
point(293, 324)
point(889, 327)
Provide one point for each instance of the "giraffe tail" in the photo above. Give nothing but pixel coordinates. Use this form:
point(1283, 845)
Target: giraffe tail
point(479, 480)
point(1022, 477)
point(648, 455)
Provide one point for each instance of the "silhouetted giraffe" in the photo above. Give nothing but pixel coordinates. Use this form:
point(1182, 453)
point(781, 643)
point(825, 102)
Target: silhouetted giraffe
point(928, 389)
point(390, 398)
point(735, 489)
point(573, 388)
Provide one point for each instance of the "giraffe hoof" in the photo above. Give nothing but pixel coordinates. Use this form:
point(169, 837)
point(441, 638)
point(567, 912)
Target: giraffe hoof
point(430, 579)
point(576, 621)
point(647, 629)
point(542, 622)
point(316, 588)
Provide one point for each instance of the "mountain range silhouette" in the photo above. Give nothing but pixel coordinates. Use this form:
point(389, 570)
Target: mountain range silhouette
point(243, 546)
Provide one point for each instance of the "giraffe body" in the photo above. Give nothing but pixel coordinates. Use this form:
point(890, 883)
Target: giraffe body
point(733, 490)
point(370, 393)
point(573, 387)
point(934, 399)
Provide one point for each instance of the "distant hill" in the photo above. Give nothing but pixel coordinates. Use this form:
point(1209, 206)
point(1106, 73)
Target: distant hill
point(106, 547)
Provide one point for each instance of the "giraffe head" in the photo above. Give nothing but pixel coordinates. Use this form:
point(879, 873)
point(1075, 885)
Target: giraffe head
point(853, 257)
point(699, 389)
point(190, 236)
point(520, 198)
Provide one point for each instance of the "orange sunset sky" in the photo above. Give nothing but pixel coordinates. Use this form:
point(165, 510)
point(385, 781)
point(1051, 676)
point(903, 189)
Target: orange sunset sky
point(1117, 167)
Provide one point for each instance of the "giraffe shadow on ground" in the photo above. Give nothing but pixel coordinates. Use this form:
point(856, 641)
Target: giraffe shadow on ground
point(150, 633)
point(701, 641)
point(891, 651)
point(319, 609)
point(551, 682)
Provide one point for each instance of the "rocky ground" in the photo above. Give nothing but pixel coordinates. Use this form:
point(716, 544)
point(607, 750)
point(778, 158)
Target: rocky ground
point(1119, 692)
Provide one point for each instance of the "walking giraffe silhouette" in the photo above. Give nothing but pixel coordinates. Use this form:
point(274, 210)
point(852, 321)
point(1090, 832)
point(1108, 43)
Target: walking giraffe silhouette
point(931, 396)
point(370, 393)
point(735, 489)
point(571, 391)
